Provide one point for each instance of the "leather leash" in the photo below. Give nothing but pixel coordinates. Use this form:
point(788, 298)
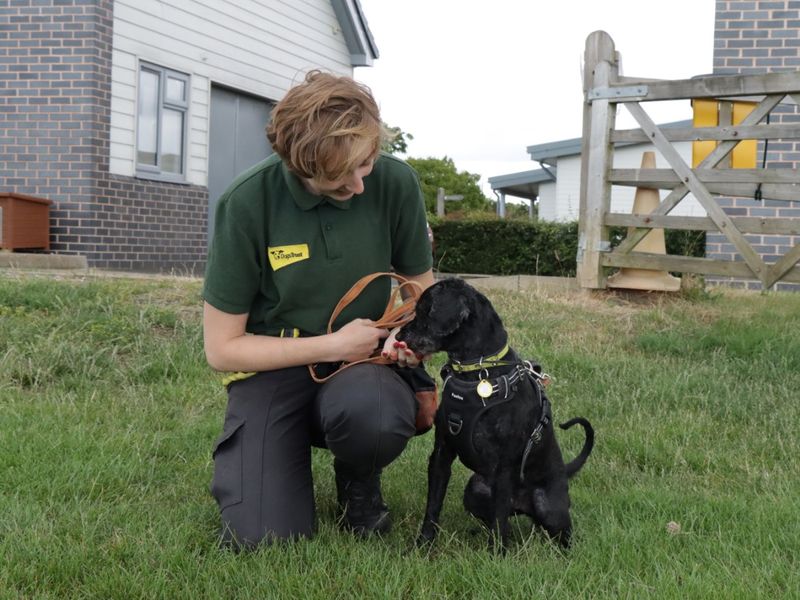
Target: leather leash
point(395, 315)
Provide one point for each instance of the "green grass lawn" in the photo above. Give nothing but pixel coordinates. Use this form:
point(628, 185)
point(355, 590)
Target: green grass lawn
point(108, 413)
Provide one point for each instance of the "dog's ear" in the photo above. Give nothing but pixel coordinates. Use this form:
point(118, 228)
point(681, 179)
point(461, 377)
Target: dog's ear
point(448, 313)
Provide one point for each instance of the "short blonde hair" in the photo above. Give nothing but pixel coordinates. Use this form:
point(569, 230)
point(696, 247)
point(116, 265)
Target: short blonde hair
point(325, 127)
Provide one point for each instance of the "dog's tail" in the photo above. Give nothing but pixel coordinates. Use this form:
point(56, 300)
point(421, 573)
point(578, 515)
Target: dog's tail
point(576, 463)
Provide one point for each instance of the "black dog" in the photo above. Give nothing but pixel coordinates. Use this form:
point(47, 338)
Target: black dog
point(494, 415)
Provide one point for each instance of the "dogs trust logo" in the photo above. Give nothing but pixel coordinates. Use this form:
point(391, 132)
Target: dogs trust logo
point(283, 256)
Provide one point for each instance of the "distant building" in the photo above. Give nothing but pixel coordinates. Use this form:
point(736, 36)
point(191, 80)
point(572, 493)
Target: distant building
point(133, 115)
point(555, 186)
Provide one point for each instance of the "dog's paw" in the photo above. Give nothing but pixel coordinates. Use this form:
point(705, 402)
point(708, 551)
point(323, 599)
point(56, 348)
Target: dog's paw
point(426, 537)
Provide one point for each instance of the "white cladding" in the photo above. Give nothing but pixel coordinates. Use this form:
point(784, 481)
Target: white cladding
point(560, 200)
point(261, 47)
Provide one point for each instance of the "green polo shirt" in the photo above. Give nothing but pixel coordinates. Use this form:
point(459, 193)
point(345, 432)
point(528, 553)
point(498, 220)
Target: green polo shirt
point(286, 256)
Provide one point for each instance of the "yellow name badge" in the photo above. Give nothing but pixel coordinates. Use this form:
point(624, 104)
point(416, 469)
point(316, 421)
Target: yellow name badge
point(283, 256)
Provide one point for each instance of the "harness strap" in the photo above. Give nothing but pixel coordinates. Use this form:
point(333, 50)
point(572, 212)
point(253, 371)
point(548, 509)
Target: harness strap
point(536, 434)
point(507, 381)
point(399, 311)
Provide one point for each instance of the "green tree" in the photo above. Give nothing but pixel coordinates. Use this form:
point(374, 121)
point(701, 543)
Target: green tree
point(437, 173)
point(397, 142)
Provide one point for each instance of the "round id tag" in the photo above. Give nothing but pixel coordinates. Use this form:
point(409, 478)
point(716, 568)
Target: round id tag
point(484, 388)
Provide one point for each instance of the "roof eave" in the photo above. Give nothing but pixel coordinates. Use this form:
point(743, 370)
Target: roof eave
point(522, 185)
point(357, 36)
point(550, 153)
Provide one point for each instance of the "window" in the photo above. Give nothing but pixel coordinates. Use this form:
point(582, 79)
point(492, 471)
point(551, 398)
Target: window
point(161, 123)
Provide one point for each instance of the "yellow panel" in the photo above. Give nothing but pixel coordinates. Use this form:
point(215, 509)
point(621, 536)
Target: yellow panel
point(744, 154)
point(705, 115)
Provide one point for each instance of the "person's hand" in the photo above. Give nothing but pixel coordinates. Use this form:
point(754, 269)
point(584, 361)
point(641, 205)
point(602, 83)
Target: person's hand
point(399, 352)
point(358, 339)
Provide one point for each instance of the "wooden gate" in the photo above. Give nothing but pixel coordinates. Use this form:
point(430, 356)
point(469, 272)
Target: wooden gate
point(604, 90)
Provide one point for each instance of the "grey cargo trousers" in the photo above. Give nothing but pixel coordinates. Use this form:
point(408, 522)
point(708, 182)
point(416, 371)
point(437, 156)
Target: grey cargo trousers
point(262, 461)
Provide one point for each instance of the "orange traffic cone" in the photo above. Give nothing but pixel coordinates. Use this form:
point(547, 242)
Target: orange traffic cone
point(646, 201)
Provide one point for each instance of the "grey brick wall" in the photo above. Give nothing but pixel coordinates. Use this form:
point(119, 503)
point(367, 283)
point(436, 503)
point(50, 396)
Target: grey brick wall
point(760, 36)
point(55, 97)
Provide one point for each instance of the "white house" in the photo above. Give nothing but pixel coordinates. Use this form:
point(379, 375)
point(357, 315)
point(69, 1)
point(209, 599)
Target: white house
point(132, 116)
point(555, 186)
point(229, 62)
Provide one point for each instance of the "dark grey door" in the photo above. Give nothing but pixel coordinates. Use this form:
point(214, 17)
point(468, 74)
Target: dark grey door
point(237, 140)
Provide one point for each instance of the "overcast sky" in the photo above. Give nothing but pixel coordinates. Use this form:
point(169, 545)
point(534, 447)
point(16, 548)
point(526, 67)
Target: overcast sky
point(481, 81)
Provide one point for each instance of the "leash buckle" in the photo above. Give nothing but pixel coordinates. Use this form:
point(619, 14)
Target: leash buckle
point(543, 379)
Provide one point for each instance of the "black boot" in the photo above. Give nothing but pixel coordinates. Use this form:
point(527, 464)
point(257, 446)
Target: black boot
point(360, 501)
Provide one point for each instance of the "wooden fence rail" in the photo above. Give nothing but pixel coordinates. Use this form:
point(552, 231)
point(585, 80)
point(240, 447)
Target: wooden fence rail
point(604, 91)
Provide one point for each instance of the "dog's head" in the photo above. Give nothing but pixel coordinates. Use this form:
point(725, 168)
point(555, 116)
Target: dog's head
point(452, 315)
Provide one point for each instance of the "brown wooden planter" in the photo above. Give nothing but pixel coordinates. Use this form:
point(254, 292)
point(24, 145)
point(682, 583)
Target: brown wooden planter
point(24, 222)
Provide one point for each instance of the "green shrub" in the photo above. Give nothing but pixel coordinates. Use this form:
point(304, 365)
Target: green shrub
point(521, 247)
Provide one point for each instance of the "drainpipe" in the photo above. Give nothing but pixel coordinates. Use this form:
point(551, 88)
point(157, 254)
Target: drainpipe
point(552, 178)
point(546, 170)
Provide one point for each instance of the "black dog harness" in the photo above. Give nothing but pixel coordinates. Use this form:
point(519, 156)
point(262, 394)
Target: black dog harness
point(464, 401)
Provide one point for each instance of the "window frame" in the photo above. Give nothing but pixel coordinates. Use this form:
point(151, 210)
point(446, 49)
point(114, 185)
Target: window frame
point(156, 172)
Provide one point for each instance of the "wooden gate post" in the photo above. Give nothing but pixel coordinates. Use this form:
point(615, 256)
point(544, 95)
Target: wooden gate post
point(601, 67)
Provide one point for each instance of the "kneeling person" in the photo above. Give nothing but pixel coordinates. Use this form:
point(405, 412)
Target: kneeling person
point(292, 234)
